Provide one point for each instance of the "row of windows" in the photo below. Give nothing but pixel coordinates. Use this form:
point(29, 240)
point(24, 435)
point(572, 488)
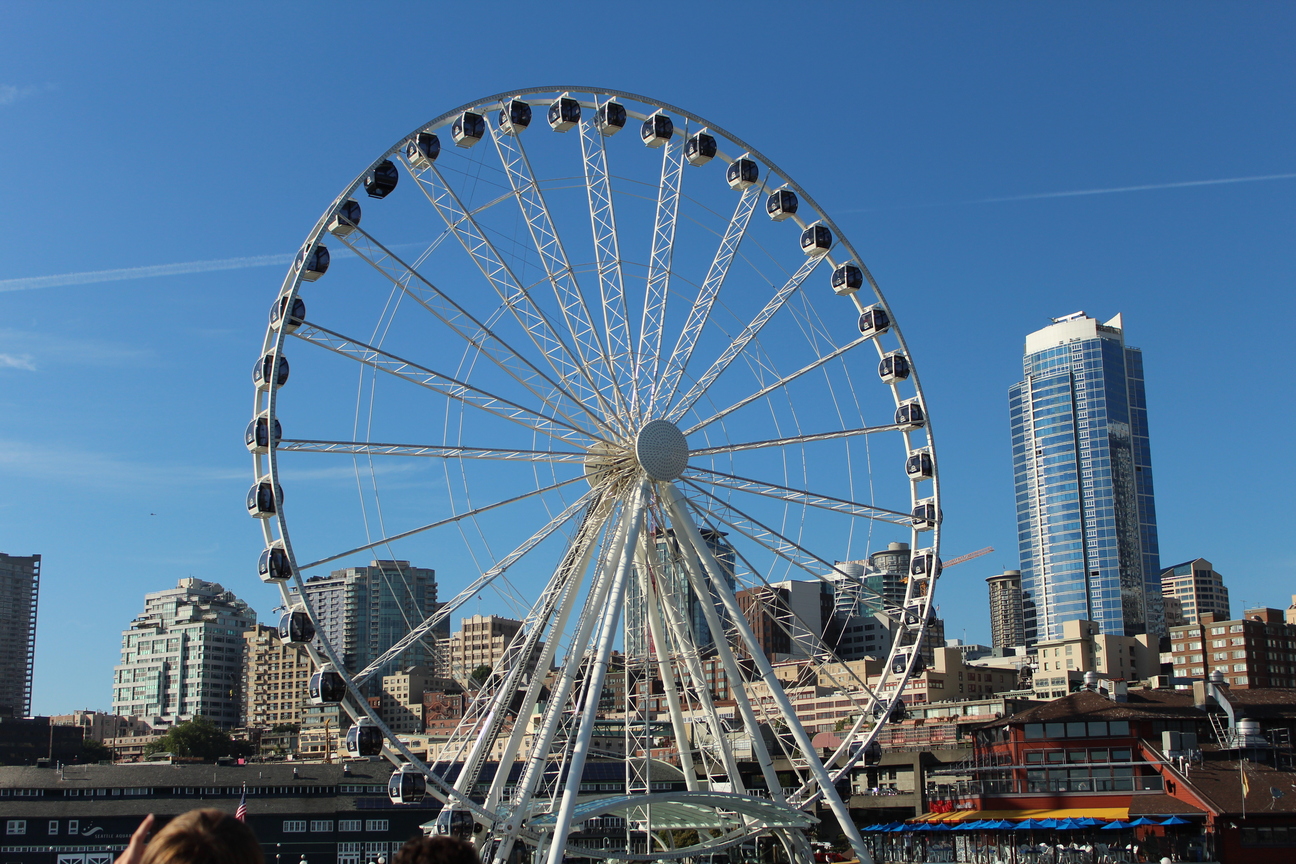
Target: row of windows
point(1078, 729)
point(298, 826)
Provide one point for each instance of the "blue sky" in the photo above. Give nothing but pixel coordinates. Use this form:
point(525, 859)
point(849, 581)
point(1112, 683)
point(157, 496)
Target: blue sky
point(937, 135)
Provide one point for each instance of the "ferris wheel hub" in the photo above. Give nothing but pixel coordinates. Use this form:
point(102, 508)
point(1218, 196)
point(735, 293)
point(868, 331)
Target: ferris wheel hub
point(661, 450)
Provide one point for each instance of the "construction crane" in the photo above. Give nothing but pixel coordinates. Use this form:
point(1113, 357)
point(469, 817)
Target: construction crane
point(969, 556)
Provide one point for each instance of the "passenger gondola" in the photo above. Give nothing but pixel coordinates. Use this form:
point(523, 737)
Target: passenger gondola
point(266, 369)
point(910, 415)
point(381, 179)
point(407, 785)
point(924, 516)
point(514, 117)
point(422, 150)
point(364, 739)
point(257, 434)
point(657, 129)
point(313, 264)
point(296, 627)
point(781, 204)
point(326, 686)
point(893, 368)
point(564, 113)
point(455, 823)
point(919, 465)
point(847, 279)
point(742, 173)
point(274, 567)
point(610, 118)
point(700, 149)
point(816, 239)
point(467, 129)
point(264, 499)
point(345, 218)
point(924, 564)
point(288, 316)
point(874, 321)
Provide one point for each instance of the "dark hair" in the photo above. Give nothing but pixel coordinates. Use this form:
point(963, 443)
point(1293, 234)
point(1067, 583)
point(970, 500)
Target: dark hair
point(436, 850)
point(204, 837)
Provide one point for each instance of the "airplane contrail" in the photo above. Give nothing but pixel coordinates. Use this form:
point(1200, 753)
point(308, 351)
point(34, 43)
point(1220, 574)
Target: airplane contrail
point(91, 276)
point(1074, 193)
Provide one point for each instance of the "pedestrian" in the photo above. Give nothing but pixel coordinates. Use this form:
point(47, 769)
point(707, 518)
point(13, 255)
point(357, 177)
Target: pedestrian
point(198, 837)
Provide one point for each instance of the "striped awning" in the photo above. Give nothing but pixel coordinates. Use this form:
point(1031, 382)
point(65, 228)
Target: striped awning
point(1055, 813)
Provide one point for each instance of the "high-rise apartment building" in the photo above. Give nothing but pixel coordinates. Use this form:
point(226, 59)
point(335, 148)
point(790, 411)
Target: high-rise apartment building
point(1007, 624)
point(482, 641)
point(363, 611)
point(275, 678)
point(19, 588)
point(1253, 651)
point(1198, 589)
point(1086, 522)
point(184, 656)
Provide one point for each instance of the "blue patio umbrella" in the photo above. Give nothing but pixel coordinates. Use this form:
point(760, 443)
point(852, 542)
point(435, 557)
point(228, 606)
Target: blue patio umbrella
point(1027, 825)
point(1067, 825)
point(938, 826)
point(1175, 820)
point(1002, 825)
point(1087, 822)
point(1047, 823)
point(1143, 820)
point(1115, 826)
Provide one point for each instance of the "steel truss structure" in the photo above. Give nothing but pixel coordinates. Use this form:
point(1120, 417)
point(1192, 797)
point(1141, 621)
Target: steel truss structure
point(654, 401)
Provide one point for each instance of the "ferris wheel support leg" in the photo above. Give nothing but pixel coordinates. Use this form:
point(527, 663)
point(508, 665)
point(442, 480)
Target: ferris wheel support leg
point(698, 584)
point(681, 520)
point(558, 698)
point(594, 686)
point(668, 677)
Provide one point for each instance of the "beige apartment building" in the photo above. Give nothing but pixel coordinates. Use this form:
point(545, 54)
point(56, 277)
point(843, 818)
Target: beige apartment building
point(481, 641)
point(275, 677)
point(1060, 662)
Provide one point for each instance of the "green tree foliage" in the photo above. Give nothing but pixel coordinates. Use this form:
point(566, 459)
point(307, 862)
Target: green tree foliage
point(198, 738)
point(481, 673)
point(94, 751)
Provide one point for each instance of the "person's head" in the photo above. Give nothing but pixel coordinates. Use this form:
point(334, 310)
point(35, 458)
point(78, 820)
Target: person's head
point(204, 837)
point(436, 850)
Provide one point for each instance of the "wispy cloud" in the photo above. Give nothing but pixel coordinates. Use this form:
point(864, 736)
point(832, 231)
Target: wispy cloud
point(91, 276)
point(89, 468)
point(17, 361)
point(11, 93)
point(1076, 193)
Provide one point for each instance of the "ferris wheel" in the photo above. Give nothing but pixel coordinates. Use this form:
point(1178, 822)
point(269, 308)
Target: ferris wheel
point(619, 378)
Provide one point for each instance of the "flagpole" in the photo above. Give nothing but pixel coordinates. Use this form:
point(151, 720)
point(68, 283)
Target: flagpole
point(1242, 775)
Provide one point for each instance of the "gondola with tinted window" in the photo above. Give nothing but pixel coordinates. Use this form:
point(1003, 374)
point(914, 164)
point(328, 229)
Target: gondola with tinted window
point(381, 179)
point(273, 566)
point(514, 116)
point(364, 739)
point(564, 113)
point(781, 204)
point(893, 368)
point(326, 686)
point(422, 150)
point(407, 785)
point(742, 173)
point(467, 129)
point(257, 434)
point(313, 264)
point(296, 626)
point(345, 219)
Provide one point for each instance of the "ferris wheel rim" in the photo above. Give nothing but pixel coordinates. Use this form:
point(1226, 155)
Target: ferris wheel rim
point(274, 342)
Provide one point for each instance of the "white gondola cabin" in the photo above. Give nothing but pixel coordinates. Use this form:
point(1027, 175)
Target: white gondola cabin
point(345, 218)
point(422, 150)
point(924, 564)
point(266, 370)
point(264, 499)
point(924, 516)
point(847, 279)
point(313, 264)
point(326, 686)
point(514, 117)
point(296, 627)
point(610, 118)
point(257, 435)
point(657, 129)
point(910, 415)
point(919, 465)
point(467, 129)
point(287, 315)
point(407, 785)
point(742, 173)
point(781, 204)
point(273, 566)
point(364, 739)
point(816, 239)
point(893, 368)
point(700, 149)
point(564, 113)
point(874, 321)
point(381, 179)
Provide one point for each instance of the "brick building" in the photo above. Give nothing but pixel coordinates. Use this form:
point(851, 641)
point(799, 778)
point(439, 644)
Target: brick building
point(1257, 650)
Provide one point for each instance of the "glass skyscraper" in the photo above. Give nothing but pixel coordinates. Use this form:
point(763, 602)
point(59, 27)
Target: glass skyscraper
point(1086, 523)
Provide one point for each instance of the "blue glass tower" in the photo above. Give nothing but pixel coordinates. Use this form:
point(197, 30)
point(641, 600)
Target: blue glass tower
point(1086, 522)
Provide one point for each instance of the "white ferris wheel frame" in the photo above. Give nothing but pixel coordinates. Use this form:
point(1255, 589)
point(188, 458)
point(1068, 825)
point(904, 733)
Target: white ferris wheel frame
point(579, 357)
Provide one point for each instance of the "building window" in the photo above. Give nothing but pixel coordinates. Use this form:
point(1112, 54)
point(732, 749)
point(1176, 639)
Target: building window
point(376, 825)
point(16, 826)
point(74, 827)
point(321, 825)
point(53, 826)
point(294, 826)
point(349, 824)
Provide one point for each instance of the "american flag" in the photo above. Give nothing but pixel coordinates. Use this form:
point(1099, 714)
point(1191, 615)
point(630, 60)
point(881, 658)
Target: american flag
point(241, 813)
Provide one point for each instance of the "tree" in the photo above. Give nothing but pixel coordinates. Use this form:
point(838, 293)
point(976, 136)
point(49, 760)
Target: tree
point(94, 751)
point(198, 738)
point(481, 673)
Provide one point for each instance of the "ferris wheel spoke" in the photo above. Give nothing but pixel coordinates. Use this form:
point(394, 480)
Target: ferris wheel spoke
point(459, 517)
point(553, 257)
point(801, 496)
point(706, 297)
point(794, 439)
point(648, 358)
point(441, 451)
point(438, 382)
point(525, 310)
point(607, 256)
point(418, 288)
point(744, 337)
point(782, 382)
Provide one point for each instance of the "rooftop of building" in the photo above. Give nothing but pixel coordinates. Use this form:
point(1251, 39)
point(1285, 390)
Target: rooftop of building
point(1259, 703)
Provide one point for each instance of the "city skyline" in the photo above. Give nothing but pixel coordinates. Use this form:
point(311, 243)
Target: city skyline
point(126, 399)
